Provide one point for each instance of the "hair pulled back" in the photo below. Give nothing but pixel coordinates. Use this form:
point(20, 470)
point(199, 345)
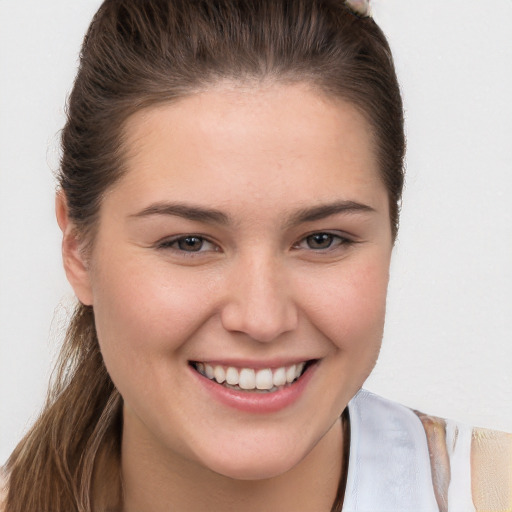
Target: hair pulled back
point(141, 53)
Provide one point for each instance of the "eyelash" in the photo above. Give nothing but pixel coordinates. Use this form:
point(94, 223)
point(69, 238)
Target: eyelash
point(170, 242)
point(335, 241)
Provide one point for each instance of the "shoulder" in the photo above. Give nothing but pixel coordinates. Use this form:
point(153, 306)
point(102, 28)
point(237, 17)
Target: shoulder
point(491, 469)
point(469, 461)
point(467, 468)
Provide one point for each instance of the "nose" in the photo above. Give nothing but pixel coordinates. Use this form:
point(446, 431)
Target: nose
point(259, 300)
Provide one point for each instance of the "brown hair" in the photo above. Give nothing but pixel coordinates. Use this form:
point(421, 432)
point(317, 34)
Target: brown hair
point(139, 53)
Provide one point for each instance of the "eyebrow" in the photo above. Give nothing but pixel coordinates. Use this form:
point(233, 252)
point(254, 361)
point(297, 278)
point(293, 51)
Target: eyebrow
point(211, 215)
point(185, 211)
point(326, 210)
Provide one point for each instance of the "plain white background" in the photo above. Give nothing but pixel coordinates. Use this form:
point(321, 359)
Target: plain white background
point(447, 346)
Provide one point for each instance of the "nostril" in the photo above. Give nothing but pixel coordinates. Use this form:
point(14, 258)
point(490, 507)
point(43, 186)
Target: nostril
point(261, 322)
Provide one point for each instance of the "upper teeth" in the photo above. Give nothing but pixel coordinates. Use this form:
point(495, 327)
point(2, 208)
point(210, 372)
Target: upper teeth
point(249, 378)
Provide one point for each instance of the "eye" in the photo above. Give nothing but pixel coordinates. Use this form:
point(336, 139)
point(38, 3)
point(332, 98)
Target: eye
point(322, 241)
point(188, 244)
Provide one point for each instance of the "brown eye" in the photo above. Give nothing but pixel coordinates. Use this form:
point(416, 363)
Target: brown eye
point(320, 241)
point(190, 243)
point(323, 241)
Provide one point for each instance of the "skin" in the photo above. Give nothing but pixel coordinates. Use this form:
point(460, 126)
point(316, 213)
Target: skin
point(255, 291)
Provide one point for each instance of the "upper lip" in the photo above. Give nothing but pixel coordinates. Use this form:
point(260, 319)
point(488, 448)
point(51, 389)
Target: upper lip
point(254, 363)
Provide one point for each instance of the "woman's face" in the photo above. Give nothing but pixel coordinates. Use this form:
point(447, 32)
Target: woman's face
point(249, 239)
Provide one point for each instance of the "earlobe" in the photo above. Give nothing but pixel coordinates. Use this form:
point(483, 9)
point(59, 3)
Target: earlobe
point(73, 260)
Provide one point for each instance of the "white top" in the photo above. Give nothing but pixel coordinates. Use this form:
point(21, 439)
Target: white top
point(404, 461)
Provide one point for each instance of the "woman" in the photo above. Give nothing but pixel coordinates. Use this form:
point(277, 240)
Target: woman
point(230, 184)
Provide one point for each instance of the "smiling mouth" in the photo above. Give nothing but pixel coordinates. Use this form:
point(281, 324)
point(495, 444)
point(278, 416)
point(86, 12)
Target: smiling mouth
point(267, 380)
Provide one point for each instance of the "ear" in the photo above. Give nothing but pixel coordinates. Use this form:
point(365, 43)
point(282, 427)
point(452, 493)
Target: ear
point(74, 262)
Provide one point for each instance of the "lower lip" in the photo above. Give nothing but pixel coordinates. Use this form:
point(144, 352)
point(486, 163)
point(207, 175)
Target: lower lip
point(255, 402)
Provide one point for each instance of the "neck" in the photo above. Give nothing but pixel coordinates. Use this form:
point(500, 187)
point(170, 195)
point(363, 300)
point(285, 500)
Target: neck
point(157, 481)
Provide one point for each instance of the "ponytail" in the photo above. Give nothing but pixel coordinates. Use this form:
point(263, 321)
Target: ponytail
point(77, 436)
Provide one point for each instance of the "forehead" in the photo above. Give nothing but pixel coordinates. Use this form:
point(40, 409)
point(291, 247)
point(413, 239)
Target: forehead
point(265, 143)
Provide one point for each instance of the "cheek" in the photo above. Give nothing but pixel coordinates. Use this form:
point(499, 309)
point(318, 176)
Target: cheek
point(145, 311)
point(349, 312)
point(350, 309)
point(144, 318)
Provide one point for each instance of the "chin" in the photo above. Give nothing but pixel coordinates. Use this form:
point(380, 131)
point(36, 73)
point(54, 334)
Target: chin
point(250, 471)
point(254, 465)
